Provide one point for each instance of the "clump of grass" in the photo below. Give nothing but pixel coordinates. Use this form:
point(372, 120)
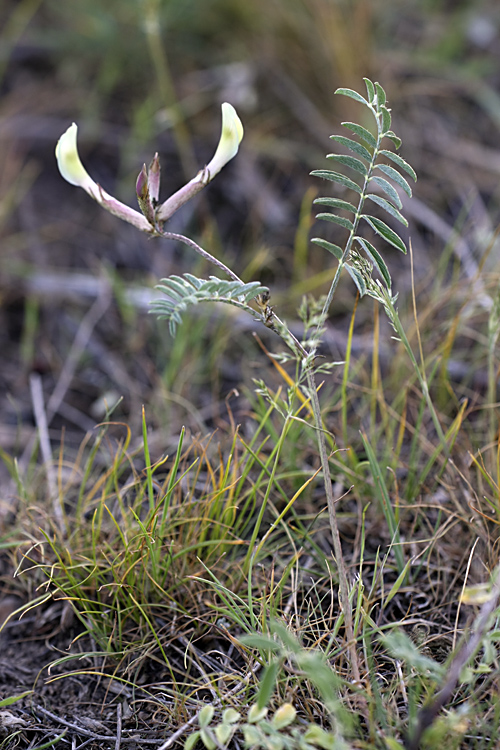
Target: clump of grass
point(337, 650)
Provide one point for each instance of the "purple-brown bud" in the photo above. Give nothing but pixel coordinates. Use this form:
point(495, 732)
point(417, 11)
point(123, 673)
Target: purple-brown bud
point(154, 180)
point(142, 190)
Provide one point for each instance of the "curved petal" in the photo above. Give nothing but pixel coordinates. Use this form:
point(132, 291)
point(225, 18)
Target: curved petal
point(73, 171)
point(70, 166)
point(230, 139)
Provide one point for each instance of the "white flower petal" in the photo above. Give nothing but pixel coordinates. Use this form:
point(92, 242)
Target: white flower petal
point(230, 139)
point(68, 161)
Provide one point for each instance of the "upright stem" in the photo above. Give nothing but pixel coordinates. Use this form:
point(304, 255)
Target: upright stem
point(271, 320)
point(332, 516)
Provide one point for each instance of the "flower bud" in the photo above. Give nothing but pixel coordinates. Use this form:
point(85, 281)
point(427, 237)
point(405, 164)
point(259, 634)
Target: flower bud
point(154, 179)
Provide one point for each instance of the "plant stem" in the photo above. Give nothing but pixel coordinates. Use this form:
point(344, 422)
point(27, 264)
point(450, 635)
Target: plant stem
point(332, 516)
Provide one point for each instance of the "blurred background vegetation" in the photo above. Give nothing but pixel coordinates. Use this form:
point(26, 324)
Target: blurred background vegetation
point(141, 76)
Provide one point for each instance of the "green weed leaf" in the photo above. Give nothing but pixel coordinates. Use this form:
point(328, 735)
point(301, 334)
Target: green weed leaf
point(401, 647)
point(205, 716)
point(256, 714)
point(192, 741)
point(284, 716)
point(267, 683)
point(262, 642)
point(14, 698)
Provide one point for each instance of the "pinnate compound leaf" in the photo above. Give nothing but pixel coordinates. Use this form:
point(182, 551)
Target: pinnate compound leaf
point(358, 279)
point(388, 207)
point(397, 159)
point(386, 232)
point(349, 161)
point(352, 95)
point(327, 174)
point(361, 131)
point(182, 292)
point(386, 120)
point(352, 146)
point(396, 177)
point(370, 89)
point(377, 260)
point(333, 249)
point(340, 220)
point(388, 190)
point(336, 203)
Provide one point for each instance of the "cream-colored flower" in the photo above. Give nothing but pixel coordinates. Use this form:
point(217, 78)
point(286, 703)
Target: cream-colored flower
point(230, 139)
point(150, 220)
point(70, 166)
point(72, 169)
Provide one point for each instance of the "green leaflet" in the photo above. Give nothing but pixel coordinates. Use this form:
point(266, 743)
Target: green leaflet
point(388, 207)
point(352, 95)
point(327, 174)
point(375, 257)
point(361, 131)
point(336, 203)
point(370, 89)
point(386, 119)
point(358, 279)
point(353, 145)
point(394, 175)
point(381, 97)
point(386, 232)
point(337, 220)
point(349, 161)
point(388, 190)
point(397, 159)
point(333, 249)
